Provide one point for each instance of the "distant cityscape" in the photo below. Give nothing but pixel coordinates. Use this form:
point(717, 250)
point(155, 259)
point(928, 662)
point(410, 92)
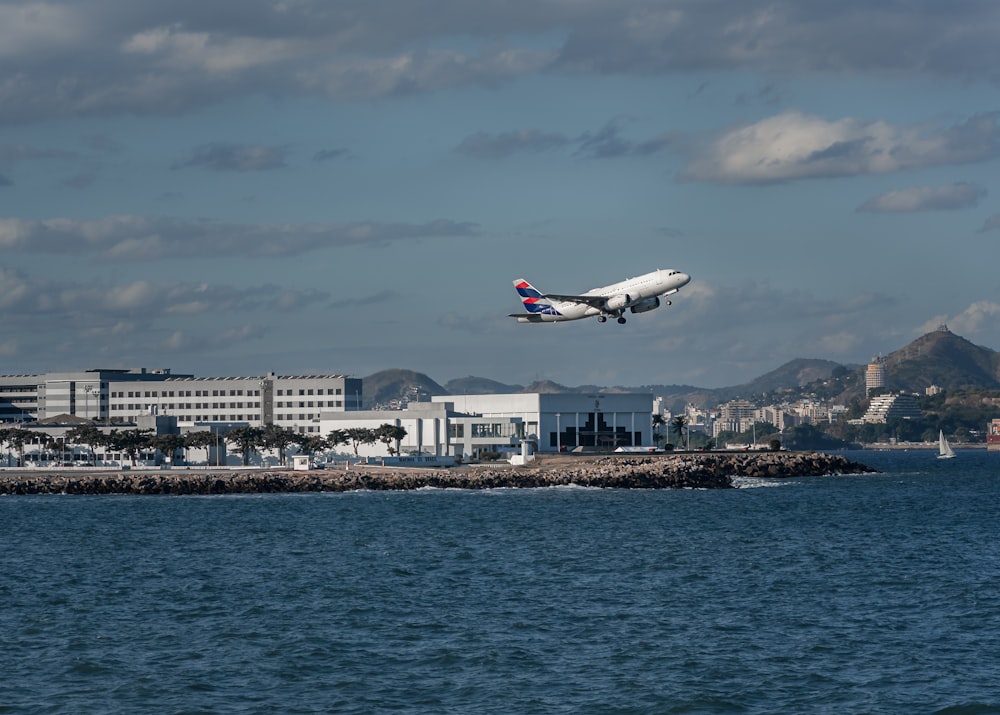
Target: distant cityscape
point(52, 404)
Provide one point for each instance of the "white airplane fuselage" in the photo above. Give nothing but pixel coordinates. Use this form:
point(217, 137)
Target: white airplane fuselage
point(637, 295)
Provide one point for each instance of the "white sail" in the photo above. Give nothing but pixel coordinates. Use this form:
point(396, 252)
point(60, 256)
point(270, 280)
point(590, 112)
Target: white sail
point(944, 449)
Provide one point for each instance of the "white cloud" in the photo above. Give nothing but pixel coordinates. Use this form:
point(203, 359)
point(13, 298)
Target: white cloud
point(793, 145)
point(926, 198)
point(984, 315)
point(174, 49)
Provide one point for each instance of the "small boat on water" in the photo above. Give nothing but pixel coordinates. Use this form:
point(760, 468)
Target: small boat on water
point(944, 449)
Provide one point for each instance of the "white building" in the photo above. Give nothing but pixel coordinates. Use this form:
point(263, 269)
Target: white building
point(291, 401)
point(432, 429)
point(25, 398)
point(565, 421)
point(467, 425)
point(885, 407)
point(875, 375)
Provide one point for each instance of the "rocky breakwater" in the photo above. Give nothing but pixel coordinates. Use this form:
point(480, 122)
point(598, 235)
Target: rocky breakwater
point(692, 471)
point(676, 471)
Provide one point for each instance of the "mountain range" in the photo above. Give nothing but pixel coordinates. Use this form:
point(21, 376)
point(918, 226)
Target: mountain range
point(938, 358)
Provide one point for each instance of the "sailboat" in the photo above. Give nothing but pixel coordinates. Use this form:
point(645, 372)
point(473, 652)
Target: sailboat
point(944, 449)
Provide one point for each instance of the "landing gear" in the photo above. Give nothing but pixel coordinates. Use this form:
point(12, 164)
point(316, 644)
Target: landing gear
point(602, 318)
point(621, 320)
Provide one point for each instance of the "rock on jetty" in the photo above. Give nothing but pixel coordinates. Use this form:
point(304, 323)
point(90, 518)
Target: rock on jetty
point(693, 471)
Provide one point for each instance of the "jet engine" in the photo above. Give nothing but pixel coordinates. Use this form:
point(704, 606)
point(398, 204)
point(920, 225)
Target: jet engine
point(618, 302)
point(646, 305)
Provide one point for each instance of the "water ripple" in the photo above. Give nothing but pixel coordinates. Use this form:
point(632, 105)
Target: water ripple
point(854, 594)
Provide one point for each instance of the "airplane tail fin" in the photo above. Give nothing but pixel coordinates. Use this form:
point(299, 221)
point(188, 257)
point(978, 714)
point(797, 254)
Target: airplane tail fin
point(533, 300)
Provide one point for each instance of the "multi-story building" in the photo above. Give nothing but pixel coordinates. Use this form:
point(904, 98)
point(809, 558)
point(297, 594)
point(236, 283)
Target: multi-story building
point(290, 401)
point(293, 401)
point(25, 398)
point(18, 398)
point(885, 407)
point(875, 376)
point(734, 416)
point(776, 415)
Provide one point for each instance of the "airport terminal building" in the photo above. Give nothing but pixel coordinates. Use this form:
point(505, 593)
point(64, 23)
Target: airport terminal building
point(567, 421)
point(122, 396)
point(464, 426)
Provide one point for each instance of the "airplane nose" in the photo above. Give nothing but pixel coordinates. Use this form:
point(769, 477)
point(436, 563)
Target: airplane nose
point(687, 279)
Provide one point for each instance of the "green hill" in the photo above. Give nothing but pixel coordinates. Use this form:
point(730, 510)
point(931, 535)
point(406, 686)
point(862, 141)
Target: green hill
point(387, 387)
point(939, 358)
point(480, 386)
point(944, 359)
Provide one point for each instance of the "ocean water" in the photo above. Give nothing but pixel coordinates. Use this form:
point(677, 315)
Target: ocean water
point(853, 594)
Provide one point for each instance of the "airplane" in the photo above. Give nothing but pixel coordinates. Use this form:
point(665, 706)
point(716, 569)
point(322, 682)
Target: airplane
point(640, 294)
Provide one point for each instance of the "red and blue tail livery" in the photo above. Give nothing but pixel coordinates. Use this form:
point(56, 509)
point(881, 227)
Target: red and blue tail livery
point(534, 302)
point(638, 295)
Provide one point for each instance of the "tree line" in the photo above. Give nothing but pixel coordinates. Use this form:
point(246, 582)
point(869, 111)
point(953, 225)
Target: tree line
point(247, 440)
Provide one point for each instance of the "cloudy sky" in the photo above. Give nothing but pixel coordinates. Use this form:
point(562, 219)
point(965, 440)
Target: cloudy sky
point(342, 186)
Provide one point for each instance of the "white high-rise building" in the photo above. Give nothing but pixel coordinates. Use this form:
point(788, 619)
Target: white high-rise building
point(875, 377)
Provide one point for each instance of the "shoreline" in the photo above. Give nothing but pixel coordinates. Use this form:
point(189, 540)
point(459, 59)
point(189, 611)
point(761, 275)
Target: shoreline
point(675, 471)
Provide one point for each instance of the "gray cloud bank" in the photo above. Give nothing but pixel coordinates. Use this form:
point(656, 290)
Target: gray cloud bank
point(137, 238)
point(103, 57)
point(235, 157)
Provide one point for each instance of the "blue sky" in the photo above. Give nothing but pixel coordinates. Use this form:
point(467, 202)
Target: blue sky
point(306, 186)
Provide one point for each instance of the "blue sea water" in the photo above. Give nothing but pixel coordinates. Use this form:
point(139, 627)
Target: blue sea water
point(854, 594)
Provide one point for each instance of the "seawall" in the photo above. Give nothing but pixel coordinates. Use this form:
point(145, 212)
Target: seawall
point(696, 471)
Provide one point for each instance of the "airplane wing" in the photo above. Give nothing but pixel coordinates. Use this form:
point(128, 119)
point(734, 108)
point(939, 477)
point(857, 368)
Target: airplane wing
point(594, 301)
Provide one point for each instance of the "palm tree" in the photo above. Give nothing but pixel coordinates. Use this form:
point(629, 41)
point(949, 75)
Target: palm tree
point(657, 423)
point(678, 424)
